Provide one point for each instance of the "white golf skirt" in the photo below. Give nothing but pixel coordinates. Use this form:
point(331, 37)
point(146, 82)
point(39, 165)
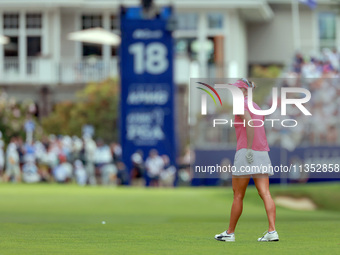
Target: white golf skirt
point(260, 165)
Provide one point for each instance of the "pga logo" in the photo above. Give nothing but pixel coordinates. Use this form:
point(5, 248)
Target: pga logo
point(238, 99)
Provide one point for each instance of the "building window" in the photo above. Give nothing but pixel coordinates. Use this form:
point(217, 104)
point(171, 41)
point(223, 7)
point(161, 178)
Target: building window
point(12, 48)
point(33, 20)
point(11, 20)
point(114, 22)
point(114, 51)
point(33, 46)
point(215, 20)
point(327, 30)
point(90, 49)
point(91, 21)
point(187, 21)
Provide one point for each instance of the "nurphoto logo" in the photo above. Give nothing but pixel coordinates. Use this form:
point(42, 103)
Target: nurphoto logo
point(238, 103)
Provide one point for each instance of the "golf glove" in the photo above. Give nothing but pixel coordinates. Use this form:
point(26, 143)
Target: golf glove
point(249, 156)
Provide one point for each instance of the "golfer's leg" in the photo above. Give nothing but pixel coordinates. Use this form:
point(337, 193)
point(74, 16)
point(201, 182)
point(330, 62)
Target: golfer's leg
point(239, 187)
point(262, 186)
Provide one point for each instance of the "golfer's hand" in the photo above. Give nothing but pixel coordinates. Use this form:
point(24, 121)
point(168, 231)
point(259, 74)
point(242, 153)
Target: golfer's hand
point(249, 156)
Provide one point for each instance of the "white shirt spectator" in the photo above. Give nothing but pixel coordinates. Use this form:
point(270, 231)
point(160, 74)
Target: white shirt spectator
point(77, 144)
point(90, 149)
point(2, 155)
point(52, 158)
point(62, 172)
point(12, 156)
point(103, 155)
point(30, 173)
point(12, 162)
point(80, 173)
point(154, 166)
point(40, 151)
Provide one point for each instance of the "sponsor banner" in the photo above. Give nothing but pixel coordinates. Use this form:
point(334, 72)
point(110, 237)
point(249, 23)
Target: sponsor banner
point(147, 86)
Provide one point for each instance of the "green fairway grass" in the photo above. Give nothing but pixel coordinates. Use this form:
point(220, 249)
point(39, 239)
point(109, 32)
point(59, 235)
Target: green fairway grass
point(67, 219)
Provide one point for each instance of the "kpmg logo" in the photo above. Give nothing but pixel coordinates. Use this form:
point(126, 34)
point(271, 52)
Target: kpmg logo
point(148, 96)
point(238, 102)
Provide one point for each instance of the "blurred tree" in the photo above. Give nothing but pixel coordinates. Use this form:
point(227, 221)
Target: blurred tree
point(13, 116)
point(265, 77)
point(271, 71)
point(96, 105)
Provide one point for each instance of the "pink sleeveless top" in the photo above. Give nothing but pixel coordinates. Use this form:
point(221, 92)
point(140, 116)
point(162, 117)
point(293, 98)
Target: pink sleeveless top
point(260, 140)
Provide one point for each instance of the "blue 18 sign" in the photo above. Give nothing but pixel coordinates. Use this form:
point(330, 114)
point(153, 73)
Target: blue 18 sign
point(147, 87)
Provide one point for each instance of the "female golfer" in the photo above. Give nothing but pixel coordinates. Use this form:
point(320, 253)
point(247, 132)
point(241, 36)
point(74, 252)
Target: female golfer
point(251, 160)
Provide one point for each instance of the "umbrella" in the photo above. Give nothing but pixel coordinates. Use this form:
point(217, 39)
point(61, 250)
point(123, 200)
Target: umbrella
point(4, 39)
point(95, 35)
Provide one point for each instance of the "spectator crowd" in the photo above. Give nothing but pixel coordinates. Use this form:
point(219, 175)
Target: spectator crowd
point(65, 159)
point(321, 76)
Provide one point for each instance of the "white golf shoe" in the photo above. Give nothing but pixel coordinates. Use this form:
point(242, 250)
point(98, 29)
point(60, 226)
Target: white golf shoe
point(224, 236)
point(269, 237)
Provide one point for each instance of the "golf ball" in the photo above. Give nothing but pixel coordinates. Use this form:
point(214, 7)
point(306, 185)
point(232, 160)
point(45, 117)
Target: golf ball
point(103, 222)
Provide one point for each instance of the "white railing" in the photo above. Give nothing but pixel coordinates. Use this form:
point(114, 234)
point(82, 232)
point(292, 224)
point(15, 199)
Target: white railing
point(36, 70)
point(44, 71)
point(40, 70)
point(87, 71)
point(10, 71)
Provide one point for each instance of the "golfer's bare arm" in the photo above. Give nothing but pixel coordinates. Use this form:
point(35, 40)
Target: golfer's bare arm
point(249, 129)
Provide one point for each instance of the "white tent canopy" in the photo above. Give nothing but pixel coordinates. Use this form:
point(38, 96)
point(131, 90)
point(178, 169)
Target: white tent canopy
point(95, 35)
point(4, 39)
